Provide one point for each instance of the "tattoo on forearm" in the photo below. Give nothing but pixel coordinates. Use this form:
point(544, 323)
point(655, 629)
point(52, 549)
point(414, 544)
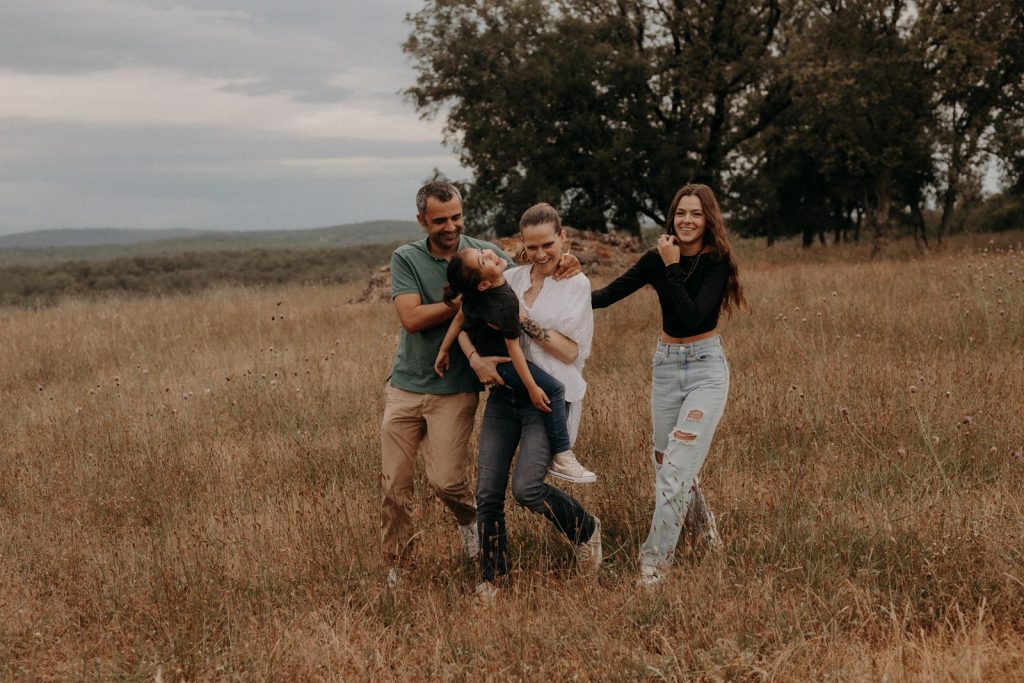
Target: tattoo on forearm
point(533, 330)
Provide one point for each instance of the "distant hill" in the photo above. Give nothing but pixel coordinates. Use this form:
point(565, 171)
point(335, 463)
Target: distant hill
point(49, 246)
point(85, 237)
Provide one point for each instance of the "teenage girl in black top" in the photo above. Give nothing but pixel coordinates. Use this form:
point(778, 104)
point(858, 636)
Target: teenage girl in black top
point(694, 272)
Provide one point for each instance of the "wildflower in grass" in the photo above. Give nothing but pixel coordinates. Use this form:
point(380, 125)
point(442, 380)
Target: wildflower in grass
point(1016, 455)
point(967, 420)
point(844, 411)
point(901, 451)
point(913, 389)
point(993, 450)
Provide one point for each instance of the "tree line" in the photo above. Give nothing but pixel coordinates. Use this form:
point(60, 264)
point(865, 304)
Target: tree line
point(811, 117)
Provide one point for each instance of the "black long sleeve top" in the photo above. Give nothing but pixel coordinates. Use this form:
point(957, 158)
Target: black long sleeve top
point(689, 305)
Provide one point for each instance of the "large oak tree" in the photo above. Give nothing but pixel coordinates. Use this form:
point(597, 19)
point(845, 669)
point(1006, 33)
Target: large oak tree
point(601, 107)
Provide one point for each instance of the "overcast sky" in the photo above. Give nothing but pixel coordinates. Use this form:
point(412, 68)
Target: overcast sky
point(217, 114)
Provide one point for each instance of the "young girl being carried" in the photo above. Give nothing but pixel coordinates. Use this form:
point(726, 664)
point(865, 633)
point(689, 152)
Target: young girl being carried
point(490, 315)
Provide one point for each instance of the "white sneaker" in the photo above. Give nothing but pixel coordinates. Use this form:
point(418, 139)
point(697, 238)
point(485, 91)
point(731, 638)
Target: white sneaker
point(649, 576)
point(486, 593)
point(565, 466)
point(589, 553)
point(470, 540)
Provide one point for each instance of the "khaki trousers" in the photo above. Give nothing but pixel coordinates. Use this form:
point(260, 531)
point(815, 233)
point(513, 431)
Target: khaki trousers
point(439, 426)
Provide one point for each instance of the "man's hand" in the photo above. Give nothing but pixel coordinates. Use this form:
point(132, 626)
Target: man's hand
point(669, 249)
point(568, 266)
point(539, 399)
point(486, 368)
point(441, 363)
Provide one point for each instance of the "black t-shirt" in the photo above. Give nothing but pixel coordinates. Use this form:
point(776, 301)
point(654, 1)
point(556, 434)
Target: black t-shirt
point(690, 292)
point(492, 316)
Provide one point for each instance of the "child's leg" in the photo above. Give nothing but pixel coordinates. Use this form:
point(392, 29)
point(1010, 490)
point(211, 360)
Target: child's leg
point(555, 422)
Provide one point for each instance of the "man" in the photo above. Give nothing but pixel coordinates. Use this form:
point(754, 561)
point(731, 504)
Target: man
point(423, 411)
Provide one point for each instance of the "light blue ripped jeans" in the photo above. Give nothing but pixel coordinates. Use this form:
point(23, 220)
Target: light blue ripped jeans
point(689, 388)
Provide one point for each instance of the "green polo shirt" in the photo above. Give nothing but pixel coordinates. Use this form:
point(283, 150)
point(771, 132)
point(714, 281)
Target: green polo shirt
point(414, 270)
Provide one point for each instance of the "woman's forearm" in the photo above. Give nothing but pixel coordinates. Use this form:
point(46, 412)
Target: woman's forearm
point(552, 341)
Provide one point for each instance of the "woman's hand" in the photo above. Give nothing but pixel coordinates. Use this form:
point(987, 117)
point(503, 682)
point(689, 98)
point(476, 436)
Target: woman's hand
point(539, 399)
point(486, 368)
point(668, 249)
point(441, 363)
point(568, 266)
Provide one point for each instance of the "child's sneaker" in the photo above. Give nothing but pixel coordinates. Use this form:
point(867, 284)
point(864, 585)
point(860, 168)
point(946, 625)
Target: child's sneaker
point(565, 466)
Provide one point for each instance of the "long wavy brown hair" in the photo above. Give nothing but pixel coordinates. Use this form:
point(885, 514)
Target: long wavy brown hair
point(716, 241)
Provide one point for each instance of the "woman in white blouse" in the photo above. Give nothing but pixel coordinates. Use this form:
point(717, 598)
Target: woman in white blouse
point(560, 324)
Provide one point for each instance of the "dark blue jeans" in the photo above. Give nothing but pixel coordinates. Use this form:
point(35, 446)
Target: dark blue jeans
point(511, 421)
point(555, 422)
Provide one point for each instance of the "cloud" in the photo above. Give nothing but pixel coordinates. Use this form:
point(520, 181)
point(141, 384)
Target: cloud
point(152, 96)
point(297, 47)
point(208, 113)
point(72, 174)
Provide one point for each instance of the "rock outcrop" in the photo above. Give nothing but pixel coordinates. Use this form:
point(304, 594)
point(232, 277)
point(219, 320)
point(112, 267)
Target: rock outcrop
point(599, 254)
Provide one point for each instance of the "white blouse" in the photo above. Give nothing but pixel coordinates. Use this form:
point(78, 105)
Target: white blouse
point(562, 305)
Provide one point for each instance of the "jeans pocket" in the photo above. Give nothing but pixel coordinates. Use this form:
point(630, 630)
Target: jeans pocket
point(659, 357)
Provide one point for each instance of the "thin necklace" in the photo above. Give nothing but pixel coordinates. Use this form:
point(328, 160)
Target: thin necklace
point(693, 267)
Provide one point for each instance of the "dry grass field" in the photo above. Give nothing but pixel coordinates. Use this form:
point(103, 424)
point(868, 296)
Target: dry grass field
point(189, 491)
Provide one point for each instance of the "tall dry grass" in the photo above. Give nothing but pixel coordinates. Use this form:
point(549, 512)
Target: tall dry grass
point(189, 490)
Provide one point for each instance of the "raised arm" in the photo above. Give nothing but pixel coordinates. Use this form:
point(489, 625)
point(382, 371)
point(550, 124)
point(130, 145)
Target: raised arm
point(624, 285)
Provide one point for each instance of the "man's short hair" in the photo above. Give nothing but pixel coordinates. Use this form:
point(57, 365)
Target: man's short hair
point(440, 190)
